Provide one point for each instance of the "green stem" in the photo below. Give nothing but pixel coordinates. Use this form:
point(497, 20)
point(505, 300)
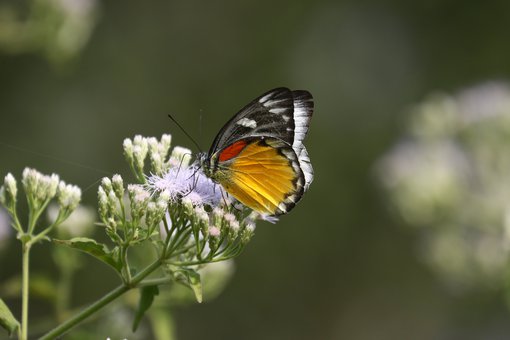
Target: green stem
point(42, 234)
point(15, 219)
point(156, 282)
point(124, 251)
point(178, 241)
point(196, 263)
point(33, 217)
point(24, 291)
point(105, 300)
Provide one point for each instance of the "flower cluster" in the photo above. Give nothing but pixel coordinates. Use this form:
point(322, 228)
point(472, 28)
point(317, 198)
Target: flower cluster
point(138, 215)
point(210, 224)
point(40, 190)
point(189, 219)
point(137, 149)
point(449, 176)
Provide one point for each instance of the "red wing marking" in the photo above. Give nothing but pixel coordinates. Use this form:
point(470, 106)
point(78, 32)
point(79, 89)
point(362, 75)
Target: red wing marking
point(232, 150)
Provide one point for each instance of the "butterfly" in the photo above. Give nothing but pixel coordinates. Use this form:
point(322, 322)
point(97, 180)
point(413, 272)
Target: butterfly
point(258, 156)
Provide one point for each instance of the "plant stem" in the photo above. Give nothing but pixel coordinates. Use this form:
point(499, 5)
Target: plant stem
point(156, 282)
point(24, 290)
point(105, 300)
point(124, 250)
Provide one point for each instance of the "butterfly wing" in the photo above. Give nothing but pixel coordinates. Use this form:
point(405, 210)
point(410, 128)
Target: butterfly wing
point(264, 176)
point(259, 156)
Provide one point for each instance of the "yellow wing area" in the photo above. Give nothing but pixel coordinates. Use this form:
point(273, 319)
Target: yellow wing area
point(260, 178)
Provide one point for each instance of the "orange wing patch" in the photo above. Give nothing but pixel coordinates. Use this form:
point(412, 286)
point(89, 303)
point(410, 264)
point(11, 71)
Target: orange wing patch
point(232, 150)
point(259, 177)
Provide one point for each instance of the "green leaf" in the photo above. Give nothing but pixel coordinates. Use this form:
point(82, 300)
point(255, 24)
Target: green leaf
point(192, 279)
point(7, 320)
point(99, 250)
point(147, 294)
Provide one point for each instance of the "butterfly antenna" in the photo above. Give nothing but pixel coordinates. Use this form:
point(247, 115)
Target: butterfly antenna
point(185, 132)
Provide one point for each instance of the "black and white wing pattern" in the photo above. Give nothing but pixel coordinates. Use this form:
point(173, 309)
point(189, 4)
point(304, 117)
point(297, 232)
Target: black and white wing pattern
point(281, 114)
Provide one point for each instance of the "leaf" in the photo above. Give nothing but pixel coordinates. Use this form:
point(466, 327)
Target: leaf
point(193, 281)
point(99, 250)
point(147, 294)
point(7, 320)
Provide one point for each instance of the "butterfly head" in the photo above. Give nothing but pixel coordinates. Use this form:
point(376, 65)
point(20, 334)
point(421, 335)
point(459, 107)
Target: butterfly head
point(204, 163)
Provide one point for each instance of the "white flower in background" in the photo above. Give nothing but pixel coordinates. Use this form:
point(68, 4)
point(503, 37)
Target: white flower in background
point(5, 228)
point(450, 175)
point(425, 178)
point(484, 101)
point(79, 224)
point(59, 29)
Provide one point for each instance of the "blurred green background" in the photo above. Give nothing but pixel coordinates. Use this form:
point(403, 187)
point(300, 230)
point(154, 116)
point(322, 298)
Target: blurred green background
point(342, 265)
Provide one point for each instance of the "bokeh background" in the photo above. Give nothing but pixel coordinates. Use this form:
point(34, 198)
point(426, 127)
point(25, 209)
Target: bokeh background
point(79, 76)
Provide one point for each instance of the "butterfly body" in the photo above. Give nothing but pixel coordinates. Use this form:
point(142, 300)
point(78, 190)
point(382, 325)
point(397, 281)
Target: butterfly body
point(259, 157)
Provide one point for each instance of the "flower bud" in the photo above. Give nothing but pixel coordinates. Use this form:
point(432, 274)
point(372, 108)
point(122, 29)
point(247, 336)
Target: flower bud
point(11, 188)
point(47, 187)
point(202, 218)
point(53, 185)
point(118, 186)
point(162, 206)
point(214, 231)
point(128, 150)
point(248, 232)
point(30, 180)
point(151, 213)
point(111, 223)
point(153, 144)
point(156, 163)
point(188, 206)
point(112, 198)
point(139, 199)
point(102, 203)
point(140, 141)
point(68, 196)
point(140, 150)
point(139, 158)
point(217, 216)
point(180, 157)
point(165, 196)
point(166, 141)
point(107, 184)
point(232, 223)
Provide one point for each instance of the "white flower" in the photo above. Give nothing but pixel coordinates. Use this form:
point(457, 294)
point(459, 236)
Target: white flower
point(68, 195)
point(188, 182)
point(79, 223)
point(232, 221)
point(180, 157)
point(118, 185)
point(10, 186)
point(214, 231)
point(5, 228)
point(128, 148)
